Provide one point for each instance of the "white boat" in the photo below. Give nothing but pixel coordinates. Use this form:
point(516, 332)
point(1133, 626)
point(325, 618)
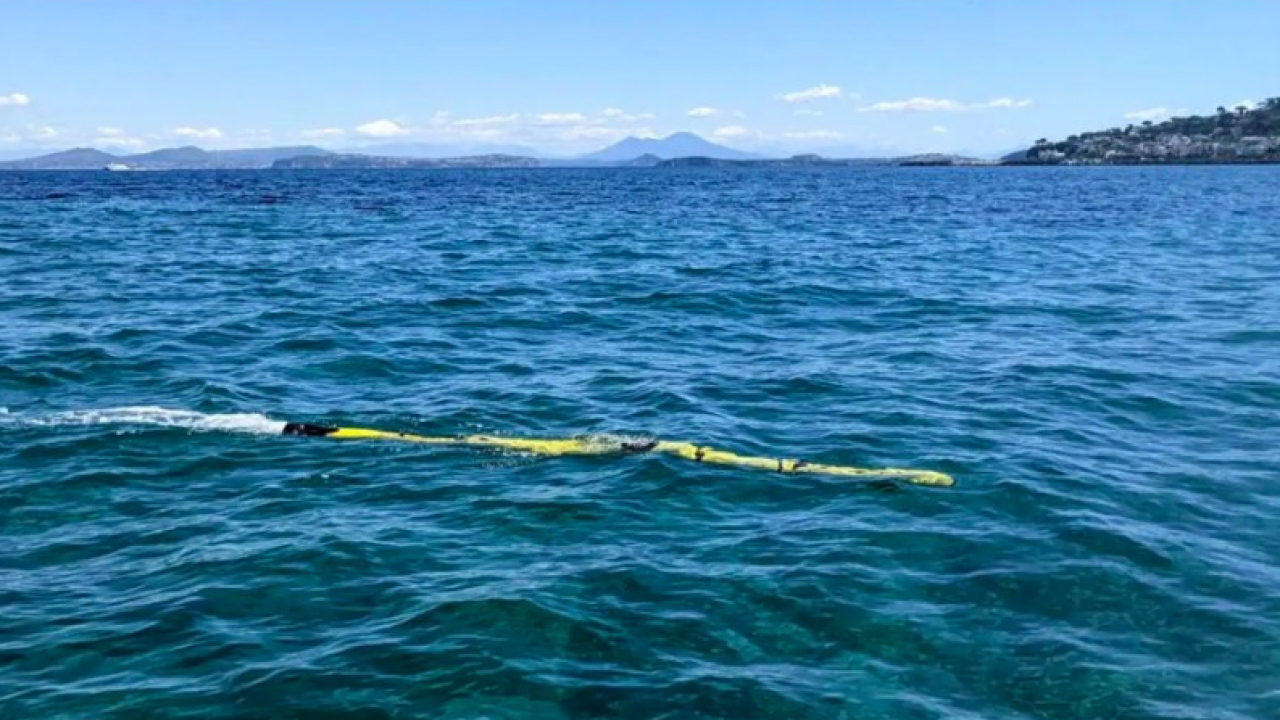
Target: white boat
point(117, 167)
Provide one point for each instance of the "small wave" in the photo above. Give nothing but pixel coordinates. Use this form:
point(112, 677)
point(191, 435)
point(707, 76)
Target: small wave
point(226, 422)
point(611, 441)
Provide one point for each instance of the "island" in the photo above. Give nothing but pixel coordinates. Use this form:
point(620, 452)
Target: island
point(187, 157)
point(812, 160)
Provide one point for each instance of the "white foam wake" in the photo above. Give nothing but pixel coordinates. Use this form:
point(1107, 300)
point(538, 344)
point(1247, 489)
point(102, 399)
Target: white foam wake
point(227, 422)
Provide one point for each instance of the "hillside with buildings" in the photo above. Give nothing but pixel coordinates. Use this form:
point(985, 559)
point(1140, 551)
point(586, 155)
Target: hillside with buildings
point(1231, 135)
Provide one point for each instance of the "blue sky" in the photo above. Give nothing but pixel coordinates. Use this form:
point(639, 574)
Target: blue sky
point(572, 76)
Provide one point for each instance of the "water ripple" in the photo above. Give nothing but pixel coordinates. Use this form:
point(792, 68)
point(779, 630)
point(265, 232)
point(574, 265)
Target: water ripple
point(1090, 351)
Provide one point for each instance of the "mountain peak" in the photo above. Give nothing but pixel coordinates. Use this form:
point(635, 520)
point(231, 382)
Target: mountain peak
point(675, 145)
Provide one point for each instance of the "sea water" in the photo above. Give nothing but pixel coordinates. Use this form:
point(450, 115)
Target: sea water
point(1093, 353)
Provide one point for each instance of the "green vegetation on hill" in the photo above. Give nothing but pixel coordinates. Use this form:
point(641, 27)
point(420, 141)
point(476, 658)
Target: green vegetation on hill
point(1237, 135)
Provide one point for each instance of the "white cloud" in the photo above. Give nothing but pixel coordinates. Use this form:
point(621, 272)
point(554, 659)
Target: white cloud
point(8, 136)
point(255, 138)
point(598, 133)
point(483, 121)
point(620, 115)
point(590, 132)
point(14, 99)
point(552, 132)
point(323, 132)
point(928, 104)
point(118, 141)
point(813, 93)
point(1155, 113)
point(572, 118)
point(915, 104)
point(939, 129)
point(582, 137)
point(555, 132)
point(808, 112)
point(382, 128)
point(813, 135)
point(1008, 102)
point(211, 133)
point(703, 112)
point(43, 133)
point(107, 136)
point(730, 131)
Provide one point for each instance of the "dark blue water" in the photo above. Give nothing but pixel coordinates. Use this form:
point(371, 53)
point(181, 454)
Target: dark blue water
point(1094, 354)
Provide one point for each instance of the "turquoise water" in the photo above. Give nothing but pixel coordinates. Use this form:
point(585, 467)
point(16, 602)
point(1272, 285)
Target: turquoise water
point(1094, 354)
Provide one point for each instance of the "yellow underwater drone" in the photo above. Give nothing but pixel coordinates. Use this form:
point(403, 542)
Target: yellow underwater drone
point(609, 446)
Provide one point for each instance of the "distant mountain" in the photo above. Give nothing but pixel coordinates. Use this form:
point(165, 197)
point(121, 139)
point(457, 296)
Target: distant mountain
point(73, 159)
point(180, 158)
point(263, 157)
point(646, 160)
point(681, 144)
point(439, 150)
point(351, 161)
point(188, 156)
point(193, 158)
point(808, 160)
point(943, 160)
point(836, 149)
point(817, 161)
